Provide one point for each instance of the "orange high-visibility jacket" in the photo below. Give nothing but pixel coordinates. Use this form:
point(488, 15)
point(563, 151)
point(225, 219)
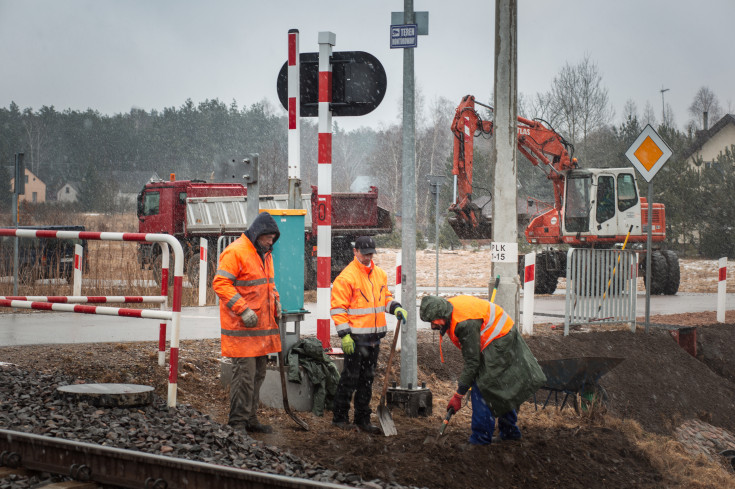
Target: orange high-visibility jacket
point(495, 321)
point(244, 280)
point(360, 297)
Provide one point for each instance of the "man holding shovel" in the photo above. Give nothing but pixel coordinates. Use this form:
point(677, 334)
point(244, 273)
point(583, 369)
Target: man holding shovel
point(499, 368)
point(360, 298)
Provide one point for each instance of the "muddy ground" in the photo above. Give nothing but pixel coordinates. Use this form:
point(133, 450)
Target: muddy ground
point(638, 440)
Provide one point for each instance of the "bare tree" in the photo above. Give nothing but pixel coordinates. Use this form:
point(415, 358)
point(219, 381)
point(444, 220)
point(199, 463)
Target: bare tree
point(578, 101)
point(649, 115)
point(705, 101)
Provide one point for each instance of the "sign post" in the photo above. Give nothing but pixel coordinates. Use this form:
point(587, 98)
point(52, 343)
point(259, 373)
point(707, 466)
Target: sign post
point(648, 154)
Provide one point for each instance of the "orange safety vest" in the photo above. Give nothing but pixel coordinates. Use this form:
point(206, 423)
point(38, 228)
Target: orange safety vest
point(244, 280)
point(495, 321)
point(360, 297)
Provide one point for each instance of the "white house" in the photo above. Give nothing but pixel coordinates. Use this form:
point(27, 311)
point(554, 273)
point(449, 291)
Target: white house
point(710, 143)
point(68, 193)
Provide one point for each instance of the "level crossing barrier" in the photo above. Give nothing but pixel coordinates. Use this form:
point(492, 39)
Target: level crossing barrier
point(601, 287)
point(174, 315)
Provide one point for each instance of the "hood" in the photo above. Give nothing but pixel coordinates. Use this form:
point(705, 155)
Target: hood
point(433, 307)
point(263, 224)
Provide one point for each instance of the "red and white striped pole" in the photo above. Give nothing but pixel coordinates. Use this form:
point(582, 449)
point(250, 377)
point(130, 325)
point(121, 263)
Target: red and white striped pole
point(294, 105)
point(202, 272)
point(722, 290)
point(78, 256)
point(324, 192)
point(164, 293)
point(398, 293)
point(529, 282)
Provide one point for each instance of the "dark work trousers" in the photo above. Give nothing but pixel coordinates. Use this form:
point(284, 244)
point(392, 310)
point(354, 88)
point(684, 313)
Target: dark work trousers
point(483, 421)
point(248, 374)
point(357, 377)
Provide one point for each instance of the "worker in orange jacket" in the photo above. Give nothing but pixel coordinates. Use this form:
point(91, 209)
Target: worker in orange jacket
point(360, 298)
point(250, 311)
point(498, 365)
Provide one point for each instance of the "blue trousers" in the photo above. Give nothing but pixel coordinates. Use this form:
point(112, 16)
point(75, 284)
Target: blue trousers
point(483, 421)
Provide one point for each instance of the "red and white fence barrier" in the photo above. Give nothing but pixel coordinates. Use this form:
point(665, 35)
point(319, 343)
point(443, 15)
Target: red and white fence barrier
point(529, 282)
point(78, 256)
point(174, 315)
point(722, 290)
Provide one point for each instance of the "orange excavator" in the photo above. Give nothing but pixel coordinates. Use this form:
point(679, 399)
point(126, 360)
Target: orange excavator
point(593, 208)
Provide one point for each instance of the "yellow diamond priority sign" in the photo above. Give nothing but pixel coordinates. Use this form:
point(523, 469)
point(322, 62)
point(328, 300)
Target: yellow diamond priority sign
point(648, 153)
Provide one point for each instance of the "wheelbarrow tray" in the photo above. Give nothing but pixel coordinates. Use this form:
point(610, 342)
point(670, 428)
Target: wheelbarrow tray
point(572, 374)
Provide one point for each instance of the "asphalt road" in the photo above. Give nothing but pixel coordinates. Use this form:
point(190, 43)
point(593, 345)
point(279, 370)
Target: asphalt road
point(37, 327)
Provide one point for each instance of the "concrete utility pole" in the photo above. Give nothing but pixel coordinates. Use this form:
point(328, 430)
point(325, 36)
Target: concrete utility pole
point(504, 152)
point(409, 365)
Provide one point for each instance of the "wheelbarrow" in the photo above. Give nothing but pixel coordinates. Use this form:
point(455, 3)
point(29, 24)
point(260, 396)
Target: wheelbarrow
point(578, 378)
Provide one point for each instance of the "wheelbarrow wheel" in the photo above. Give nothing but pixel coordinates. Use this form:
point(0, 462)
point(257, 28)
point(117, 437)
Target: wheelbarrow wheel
point(593, 398)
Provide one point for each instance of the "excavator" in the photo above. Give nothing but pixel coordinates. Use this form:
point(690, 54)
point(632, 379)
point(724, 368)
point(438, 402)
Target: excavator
point(593, 207)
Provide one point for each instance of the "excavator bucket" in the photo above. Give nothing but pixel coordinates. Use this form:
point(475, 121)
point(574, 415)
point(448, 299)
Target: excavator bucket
point(473, 219)
point(465, 230)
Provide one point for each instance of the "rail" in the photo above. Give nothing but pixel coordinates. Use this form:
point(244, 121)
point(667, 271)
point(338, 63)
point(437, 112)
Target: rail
point(117, 467)
point(174, 315)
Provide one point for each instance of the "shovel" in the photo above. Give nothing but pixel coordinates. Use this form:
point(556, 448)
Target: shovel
point(384, 416)
point(282, 368)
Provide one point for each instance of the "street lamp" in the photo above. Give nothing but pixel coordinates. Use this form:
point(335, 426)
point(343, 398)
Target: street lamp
point(663, 106)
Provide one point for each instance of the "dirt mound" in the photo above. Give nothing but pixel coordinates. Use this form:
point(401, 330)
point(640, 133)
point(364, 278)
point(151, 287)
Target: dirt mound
point(658, 394)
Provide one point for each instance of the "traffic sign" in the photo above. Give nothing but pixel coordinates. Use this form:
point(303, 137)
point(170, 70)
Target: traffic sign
point(403, 36)
point(358, 83)
point(648, 153)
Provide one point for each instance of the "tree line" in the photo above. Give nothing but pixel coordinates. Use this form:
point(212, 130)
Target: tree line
point(196, 140)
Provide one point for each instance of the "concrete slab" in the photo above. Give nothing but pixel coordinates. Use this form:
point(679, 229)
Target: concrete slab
point(108, 395)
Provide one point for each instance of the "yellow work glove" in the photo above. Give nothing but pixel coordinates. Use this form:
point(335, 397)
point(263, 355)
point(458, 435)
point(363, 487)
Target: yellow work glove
point(348, 344)
point(401, 314)
point(249, 318)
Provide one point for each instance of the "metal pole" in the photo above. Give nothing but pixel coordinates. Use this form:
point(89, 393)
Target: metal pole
point(504, 152)
point(436, 234)
point(648, 255)
point(251, 178)
point(16, 198)
point(409, 363)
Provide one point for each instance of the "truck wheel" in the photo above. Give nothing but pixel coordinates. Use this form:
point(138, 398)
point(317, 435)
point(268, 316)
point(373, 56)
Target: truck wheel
point(674, 273)
point(192, 270)
point(659, 273)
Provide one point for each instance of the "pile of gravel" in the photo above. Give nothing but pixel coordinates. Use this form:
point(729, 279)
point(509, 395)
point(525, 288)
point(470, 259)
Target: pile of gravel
point(30, 403)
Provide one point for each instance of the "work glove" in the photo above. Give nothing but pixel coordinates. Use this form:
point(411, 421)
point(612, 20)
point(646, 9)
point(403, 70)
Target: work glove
point(348, 344)
point(249, 318)
point(401, 314)
point(279, 310)
point(455, 402)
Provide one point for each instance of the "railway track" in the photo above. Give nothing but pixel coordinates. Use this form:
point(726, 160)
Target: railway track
point(100, 466)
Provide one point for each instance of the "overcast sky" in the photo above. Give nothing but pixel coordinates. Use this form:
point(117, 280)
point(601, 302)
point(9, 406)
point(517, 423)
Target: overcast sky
point(111, 56)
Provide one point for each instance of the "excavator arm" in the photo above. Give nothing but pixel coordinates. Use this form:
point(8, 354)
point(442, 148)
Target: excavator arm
point(537, 142)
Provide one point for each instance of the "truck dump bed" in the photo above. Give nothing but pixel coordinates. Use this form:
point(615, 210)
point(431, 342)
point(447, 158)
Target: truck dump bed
point(351, 213)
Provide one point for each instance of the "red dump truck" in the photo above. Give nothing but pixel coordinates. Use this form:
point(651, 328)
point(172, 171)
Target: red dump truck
point(194, 209)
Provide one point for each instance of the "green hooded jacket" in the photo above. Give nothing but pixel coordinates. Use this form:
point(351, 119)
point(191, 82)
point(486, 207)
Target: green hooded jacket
point(308, 353)
point(506, 372)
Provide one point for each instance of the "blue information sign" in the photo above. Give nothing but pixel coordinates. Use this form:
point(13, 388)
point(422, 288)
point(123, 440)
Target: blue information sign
point(403, 36)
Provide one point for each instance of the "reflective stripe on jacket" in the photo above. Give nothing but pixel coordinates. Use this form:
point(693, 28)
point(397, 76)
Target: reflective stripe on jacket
point(495, 321)
point(244, 280)
point(360, 299)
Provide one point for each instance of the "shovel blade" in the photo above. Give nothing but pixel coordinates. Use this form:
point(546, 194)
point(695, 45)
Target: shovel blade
point(386, 421)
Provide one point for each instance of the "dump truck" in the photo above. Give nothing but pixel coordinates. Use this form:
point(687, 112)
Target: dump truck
point(194, 209)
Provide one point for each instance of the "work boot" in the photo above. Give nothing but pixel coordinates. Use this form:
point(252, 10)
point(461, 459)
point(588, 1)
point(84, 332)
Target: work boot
point(343, 425)
point(256, 427)
point(239, 427)
point(370, 428)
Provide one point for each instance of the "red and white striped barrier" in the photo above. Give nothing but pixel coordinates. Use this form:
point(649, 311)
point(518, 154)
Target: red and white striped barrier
point(294, 105)
point(174, 315)
point(88, 299)
point(78, 256)
point(399, 292)
point(202, 272)
point(529, 282)
point(324, 192)
point(722, 290)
